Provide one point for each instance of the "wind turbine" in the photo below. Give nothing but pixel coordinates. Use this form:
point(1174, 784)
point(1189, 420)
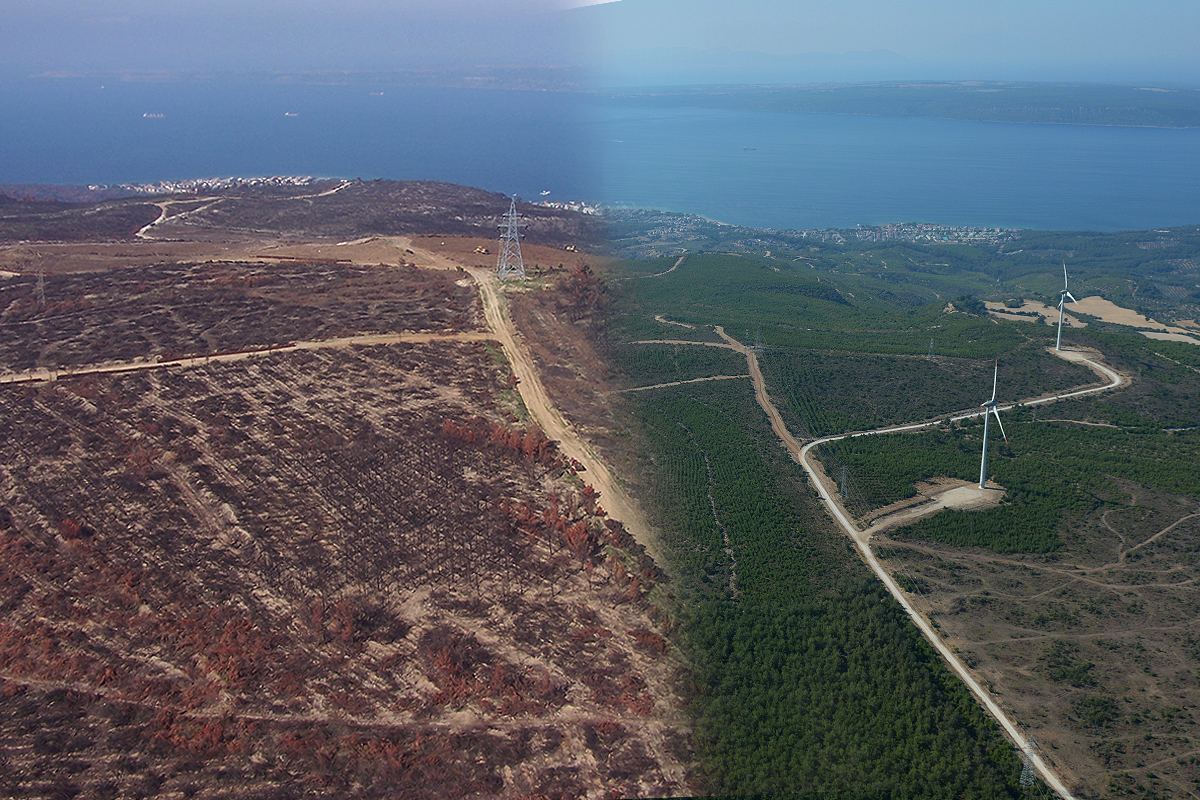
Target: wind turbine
point(990, 406)
point(1062, 301)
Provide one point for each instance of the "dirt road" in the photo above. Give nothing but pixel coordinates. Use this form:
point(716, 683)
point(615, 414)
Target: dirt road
point(681, 383)
point(861, 539)
point(164, 209)
point(554, 425)
point(674, 267)
point(46, 374)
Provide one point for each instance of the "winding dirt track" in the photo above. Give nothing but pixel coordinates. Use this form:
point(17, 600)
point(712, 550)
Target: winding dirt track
point(800, 454)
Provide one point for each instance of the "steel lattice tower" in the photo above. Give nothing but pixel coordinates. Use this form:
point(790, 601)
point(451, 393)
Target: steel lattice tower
point(41, 286)
point(510, 264)
point(1028, 775)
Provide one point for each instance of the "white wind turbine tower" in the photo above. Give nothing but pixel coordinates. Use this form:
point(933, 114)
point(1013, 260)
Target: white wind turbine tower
point(990, 406)
point(1062, 301)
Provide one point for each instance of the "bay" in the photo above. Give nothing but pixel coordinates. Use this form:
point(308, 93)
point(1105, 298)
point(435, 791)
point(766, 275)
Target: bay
point(87, 131)
point(759, 169)
point(798, 171)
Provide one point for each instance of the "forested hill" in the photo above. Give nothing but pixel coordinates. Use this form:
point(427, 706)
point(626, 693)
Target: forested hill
point(1154, 106)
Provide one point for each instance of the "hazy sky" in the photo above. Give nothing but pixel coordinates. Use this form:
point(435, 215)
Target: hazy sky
point(279, 34)
point(786, 41)
point(939, 39)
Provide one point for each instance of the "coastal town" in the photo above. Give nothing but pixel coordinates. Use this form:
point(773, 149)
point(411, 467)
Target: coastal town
point(659, 233)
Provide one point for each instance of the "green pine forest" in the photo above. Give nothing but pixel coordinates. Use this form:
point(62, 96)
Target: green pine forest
point(808, 678)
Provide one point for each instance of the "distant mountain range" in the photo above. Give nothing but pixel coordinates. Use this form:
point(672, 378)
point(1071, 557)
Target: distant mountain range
point(673, 66)
point(1053, 103)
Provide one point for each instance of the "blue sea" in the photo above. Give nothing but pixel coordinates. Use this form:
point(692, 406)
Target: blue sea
point(750, 168)
point(796, 171)
point(83, 131)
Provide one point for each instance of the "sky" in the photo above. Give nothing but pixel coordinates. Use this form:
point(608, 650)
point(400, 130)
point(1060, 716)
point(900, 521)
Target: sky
point(786, 41)
point(236, 35)
point(638, 41)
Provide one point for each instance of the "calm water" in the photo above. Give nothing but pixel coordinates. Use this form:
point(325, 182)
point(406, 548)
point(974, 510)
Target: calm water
point(821, 170)
point(750, 168)
point(75, 132)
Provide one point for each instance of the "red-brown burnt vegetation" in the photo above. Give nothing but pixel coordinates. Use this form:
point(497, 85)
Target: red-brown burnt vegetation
point(175, 310)
point(338, 572)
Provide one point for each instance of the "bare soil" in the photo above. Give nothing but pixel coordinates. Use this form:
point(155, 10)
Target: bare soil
point(932, 496)
point(1031, 311)
point(1170, 337)
point(1111, 312)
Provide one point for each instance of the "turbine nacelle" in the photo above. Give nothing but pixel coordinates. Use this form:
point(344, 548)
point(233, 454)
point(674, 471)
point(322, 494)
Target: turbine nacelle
point(1062, 302)
point(1064, 294)
point(990, 407)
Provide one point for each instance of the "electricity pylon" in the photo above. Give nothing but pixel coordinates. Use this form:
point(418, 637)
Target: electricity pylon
point(509, 265)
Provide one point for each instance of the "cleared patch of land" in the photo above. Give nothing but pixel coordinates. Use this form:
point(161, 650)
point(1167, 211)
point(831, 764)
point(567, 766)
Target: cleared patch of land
point(1111, 312)
point(1170, 337)
point(945, 493)
point(1033, 311)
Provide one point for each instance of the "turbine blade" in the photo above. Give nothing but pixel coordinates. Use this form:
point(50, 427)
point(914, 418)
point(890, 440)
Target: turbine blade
point(1001, 424)
point(995, 375)
point(1064, 273)
point(1073, 300)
